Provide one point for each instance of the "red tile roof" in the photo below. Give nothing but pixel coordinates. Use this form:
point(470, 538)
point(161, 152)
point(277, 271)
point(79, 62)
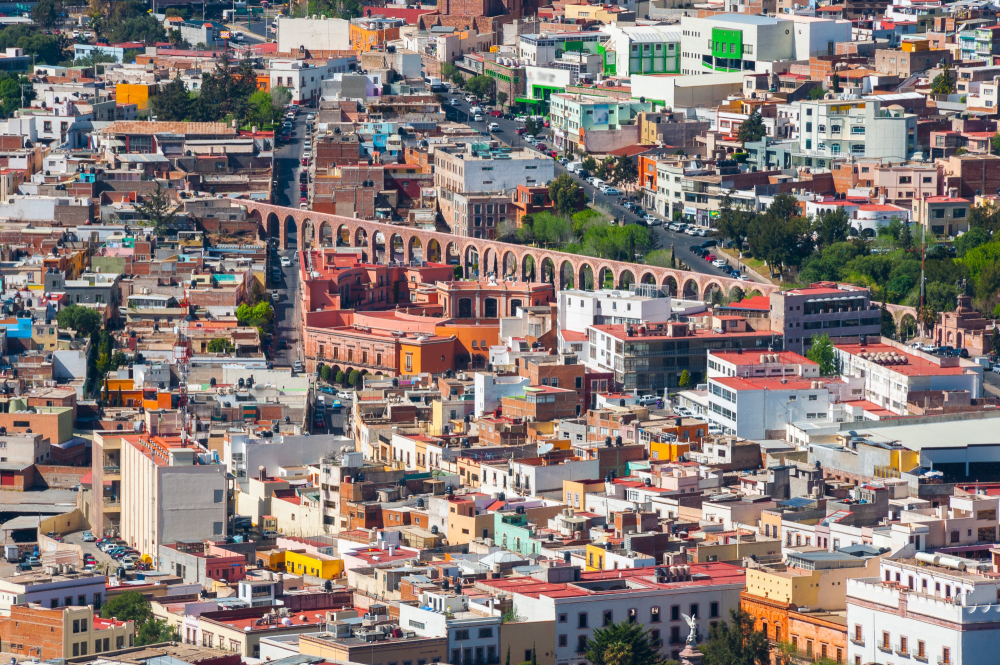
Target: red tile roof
point(762, 303)
point(916, 365)
point(750, 357)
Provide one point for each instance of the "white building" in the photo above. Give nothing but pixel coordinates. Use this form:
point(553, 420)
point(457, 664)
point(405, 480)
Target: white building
point(760, 365)
point(831, 128)
point(490, 388)
point(762, 408)
point(647, 49)
point(580, 309)
point(594, 600)
point(304, 78)
point(928, 609)
point(484, 167)
point(531, 477)
point(742, 42)
point(320, 34)
point(51, 590)
point(891, 371)
point(541, 49)
point(472, 637)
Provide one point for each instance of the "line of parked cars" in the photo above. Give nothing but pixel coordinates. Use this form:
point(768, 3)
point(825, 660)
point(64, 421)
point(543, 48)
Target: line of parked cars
point(119, 550)
point(946, 351)
point(704, 250)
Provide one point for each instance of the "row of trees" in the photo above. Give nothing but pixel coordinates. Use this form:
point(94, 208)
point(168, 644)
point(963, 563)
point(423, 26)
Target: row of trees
point(619, 171)
point(351, 378)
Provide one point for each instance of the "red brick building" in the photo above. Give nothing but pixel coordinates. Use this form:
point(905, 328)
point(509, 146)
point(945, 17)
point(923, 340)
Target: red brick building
point(541, 403)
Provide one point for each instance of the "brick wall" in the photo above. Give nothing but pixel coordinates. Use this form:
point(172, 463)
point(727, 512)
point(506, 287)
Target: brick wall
point(33, 628)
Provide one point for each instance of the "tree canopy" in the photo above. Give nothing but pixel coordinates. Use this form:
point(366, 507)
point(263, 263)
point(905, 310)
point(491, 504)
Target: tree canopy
point(623, 643)
point(736, 642)
point(821, 352)
point(83, 320)
point(566, 194)
point(158, 210)
point(752, 129)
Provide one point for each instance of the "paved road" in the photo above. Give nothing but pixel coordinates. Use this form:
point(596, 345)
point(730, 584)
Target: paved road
point(288, 166)
point(680, 241)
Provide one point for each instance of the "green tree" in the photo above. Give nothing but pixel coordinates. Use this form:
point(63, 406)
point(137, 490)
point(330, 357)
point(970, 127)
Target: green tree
point(622, 643)
point(339, 379)
point(734, 220)
point(502, 98)
point(625, 171)
point(220, 345)
point(589, 164)
point(83, 320)
point(534, 127)
point(158, 210)
point(156, 631)
point(684, 380)
point(551, 230)
point(324, 373)
point(736, 642)
point(129, 606)
point(565, 194)
point(752, 129)
point(943, 84)
point(507, 660)
point(821, 352)
point(260, 108)
point(482, 87)
point(44, 13)
point(816, 93)
point(355, 379)
point(831, 226)
point(47, 49)
point(995, 143)
point(836, 82)
point(172, 103)
point(280, 98)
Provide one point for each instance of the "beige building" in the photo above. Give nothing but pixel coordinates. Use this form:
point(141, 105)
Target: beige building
point(521, 637)
point(171, 491)
point(62, 632)
point(820, 588)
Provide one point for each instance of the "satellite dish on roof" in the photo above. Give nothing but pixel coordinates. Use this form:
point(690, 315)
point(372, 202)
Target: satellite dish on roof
point(544, 448)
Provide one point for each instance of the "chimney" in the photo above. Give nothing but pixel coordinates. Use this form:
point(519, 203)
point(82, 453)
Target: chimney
point(261, 473)
point(953, 192)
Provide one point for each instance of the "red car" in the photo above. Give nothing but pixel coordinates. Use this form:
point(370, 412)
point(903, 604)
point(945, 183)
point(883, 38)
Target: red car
point(710, 257)
point(305, 161)
point(553, 154)
point(546, 123)
point(496, 114)
point(521, 130)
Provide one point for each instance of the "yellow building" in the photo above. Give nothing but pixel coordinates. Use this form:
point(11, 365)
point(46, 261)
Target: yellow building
point(315, 565)
point(135, 93)
point(575, 491)
point(371, 34)
point(822, 588)
point(668, 450)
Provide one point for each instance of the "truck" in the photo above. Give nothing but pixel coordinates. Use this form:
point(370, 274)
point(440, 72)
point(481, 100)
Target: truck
point(436, 85)
point(11, 553)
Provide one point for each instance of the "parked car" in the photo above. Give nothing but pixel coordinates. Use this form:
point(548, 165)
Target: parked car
point(88, 537)
point(269, 534)
point(719, 263)
point(494, 127)
point(496, 114)
point(710, 257)
point(647, 400)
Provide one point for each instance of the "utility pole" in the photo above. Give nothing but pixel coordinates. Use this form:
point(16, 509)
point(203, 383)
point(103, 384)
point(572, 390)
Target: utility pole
point(23, 86)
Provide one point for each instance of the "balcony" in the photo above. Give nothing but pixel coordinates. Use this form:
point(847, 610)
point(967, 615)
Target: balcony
point(920, 658)
point(901, 651)
point(884, 648)
point(941, 660)
point(112, 503)
point(112, 470)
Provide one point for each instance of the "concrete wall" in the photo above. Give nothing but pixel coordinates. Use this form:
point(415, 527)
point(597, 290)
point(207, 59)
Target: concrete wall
point(330, 34)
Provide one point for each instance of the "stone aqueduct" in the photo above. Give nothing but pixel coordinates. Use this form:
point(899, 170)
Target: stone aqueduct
point(382, 242)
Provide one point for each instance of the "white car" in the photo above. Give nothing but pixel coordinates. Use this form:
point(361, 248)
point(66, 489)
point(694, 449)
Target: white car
point(285, 262)
point(494, 127)
point(683, 411)
point(476, 110)
point(702, 233)
point(477, 118)
point(311, 116)
point(719, 263)
point(647, 400)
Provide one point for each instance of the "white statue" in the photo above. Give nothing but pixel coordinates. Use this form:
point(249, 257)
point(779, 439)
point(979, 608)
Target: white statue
point(692, 637)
